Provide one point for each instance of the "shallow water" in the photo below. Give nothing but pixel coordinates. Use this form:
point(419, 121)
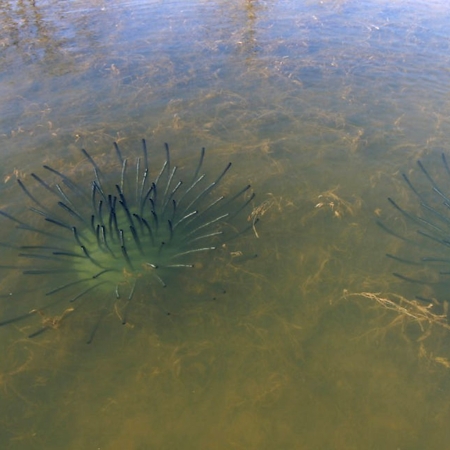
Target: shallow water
point(320, 105)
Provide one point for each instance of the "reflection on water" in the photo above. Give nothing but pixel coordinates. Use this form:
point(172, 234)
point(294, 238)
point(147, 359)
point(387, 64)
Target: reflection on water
point(321, 105)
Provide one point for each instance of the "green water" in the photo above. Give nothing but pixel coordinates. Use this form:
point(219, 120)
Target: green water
point(320, 105)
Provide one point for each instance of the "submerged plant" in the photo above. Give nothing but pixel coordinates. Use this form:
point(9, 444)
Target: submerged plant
point(428, 235)
point(95, 243)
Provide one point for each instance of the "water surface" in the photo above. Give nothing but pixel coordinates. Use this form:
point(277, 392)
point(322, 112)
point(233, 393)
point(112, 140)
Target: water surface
point(320, 105)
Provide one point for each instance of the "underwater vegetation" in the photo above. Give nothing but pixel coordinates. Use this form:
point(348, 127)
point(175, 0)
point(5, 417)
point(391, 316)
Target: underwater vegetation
point(94, 237)
point(426, 230)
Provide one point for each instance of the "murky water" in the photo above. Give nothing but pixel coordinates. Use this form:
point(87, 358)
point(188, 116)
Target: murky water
point(320, 105)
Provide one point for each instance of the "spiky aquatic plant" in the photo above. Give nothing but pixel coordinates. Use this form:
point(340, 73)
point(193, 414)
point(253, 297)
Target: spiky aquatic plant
point(431, 234)
point(97, 242)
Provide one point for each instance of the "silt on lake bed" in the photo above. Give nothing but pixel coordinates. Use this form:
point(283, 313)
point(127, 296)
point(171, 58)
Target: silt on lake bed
point(131, 224)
